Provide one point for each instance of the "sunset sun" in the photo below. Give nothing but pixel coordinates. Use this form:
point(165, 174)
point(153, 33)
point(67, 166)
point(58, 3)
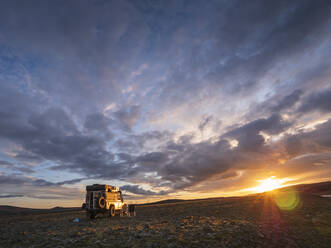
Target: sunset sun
point(269, 184)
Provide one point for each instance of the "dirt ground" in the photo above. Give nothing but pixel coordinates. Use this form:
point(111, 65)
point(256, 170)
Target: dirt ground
point(254, 221)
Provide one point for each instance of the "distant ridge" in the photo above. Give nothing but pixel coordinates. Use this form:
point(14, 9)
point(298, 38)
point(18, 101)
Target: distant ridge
point(321, 188)
point(164, 202)
point(8, 210)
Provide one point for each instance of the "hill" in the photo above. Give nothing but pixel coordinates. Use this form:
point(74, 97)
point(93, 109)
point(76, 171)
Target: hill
point(322, 188)
point(12, 210)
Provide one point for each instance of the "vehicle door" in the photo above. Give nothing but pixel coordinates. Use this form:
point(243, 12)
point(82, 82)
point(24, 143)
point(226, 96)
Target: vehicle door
point(118, 201)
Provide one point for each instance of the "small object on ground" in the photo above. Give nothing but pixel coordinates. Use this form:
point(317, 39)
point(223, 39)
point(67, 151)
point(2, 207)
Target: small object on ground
point(76, 220)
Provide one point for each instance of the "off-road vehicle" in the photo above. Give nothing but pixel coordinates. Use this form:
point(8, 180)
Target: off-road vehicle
point(106, 199)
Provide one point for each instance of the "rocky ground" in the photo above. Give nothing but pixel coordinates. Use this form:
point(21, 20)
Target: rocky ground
point(253, 221)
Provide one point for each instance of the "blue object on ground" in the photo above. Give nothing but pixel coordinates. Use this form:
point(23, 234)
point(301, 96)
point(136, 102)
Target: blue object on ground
point(76, 220)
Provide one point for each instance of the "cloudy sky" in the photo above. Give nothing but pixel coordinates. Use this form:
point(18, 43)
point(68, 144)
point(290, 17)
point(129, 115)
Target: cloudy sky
point(166, 99)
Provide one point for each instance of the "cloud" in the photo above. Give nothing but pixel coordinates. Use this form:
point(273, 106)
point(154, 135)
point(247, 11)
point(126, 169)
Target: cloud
point(21, 180)
point(72, 181)
point(205, 122)
point(15, 167)
point(135, 189)
point(314, 141)
point(249, 136)
point(128, 117)
point(100, 124)
point(10, 196)
point(5, 163)
point(236, 62)
point(211, 122)
point(288, 101)
point(21, 186)
point(320, 100)
point(136, 143)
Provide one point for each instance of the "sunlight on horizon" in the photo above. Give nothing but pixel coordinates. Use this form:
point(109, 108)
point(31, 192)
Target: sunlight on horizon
point(269, 184)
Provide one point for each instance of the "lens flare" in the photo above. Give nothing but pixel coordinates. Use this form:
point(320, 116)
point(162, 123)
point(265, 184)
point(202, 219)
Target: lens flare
point(287, 200)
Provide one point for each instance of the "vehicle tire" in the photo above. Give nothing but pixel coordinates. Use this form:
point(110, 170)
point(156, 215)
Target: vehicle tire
point(102, 202)
point(111, 211)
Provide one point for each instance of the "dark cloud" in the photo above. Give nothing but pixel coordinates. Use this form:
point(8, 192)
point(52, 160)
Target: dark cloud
point(10, 196)
point(315, 164)
point(20, 180)
point(249, 136)
point(211, 122)
point(128, 117)
point(52, 135)
point(15, 167)
point(99, 123)
point(21, 186)
point(181, 164)
point(197, 163)
point(288, 101)
point(135, 189)
point(205, 122)
point(5, 163)
point(314, 141)
point(51, 120)
point(72, 181)
point(25, 170)
point(135, 143)
point(28, 157)
point(11, 180)
point(320, 100)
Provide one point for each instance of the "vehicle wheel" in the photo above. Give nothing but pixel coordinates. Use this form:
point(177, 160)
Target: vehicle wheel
point(112, 211)
point(102, 202)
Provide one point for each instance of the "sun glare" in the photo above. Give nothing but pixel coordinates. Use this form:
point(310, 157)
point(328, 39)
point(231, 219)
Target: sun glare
point(269, 184)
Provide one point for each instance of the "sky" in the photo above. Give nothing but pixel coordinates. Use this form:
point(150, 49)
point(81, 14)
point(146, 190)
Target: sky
point(165, 99)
